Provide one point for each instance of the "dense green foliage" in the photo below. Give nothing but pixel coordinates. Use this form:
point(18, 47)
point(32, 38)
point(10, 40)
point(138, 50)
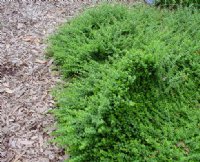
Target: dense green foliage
point(135, 92)
point(195, 3)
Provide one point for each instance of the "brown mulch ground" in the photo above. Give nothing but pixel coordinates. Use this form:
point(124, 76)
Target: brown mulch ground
point(25, 78)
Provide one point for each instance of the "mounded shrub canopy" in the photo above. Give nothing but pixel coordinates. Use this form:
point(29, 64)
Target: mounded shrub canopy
point(135, 91)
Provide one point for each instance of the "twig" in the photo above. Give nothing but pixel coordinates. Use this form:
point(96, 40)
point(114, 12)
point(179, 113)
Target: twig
point(19, 156)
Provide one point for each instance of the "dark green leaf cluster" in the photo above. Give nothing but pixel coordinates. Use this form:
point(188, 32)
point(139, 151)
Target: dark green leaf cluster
point(171, 3)
point(135, 93)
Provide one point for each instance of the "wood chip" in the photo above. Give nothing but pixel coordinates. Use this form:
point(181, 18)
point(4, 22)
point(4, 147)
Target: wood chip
point(40, 61)
point(25, 142)
point(18, 157)
point(7, 90)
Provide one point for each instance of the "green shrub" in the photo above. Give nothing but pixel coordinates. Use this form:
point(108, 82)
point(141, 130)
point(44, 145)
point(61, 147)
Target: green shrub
point(195, 3)
point(135, 95)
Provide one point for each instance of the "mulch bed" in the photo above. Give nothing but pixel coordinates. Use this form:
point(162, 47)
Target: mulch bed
point(26, 79)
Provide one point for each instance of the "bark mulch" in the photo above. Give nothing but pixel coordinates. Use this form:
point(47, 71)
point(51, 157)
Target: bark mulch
point(25, 78)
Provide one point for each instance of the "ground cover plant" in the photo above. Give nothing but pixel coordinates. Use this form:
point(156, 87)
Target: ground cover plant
point(132, 89)
point(195, 3)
